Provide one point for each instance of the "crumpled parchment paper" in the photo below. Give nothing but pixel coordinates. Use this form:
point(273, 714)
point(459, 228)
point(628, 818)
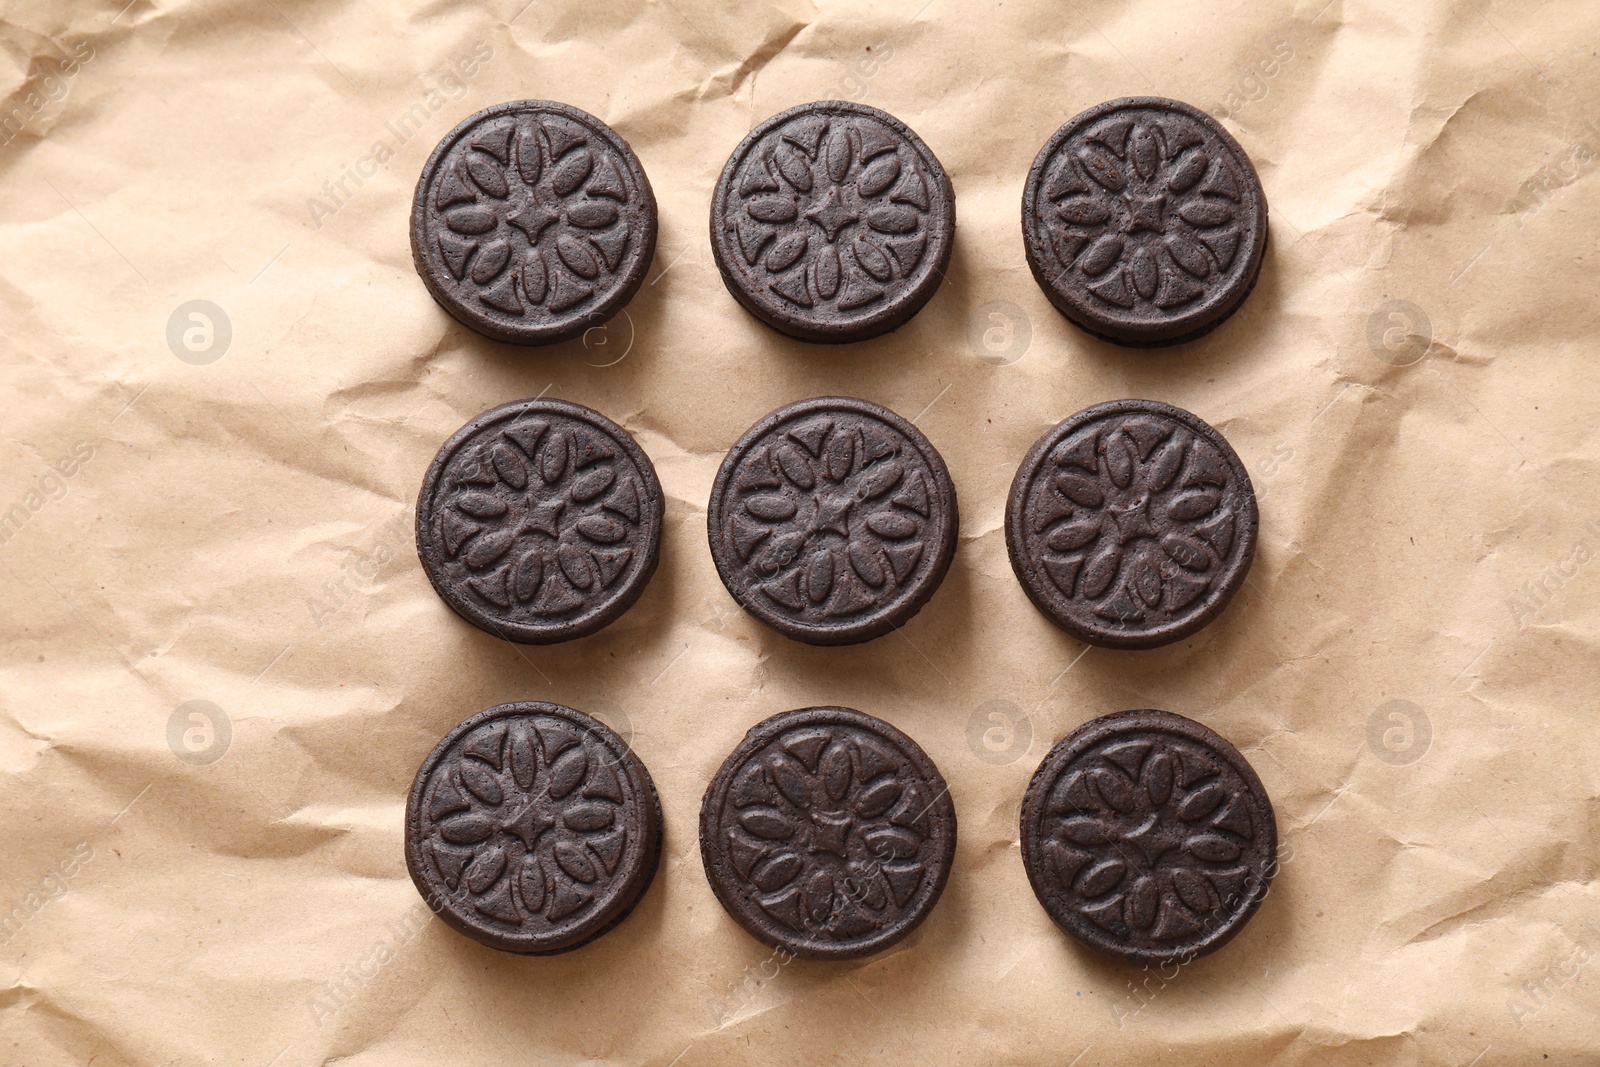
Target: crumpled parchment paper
point(222, 663)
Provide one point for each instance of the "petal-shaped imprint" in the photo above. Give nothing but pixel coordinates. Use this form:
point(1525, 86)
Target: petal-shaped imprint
point(1189, 169)
point(1205, 213)
point(1194, 504)
point(819, 576)
point(878, 798)
point(1143, 900)
point(1143, 272)
point(487, 176)
point(767, 823)
point(486, 869)
point(772, 209)
point(834, 770)
point(589, 818)
point(1157, 778)
point(571, 172)
point(1079, 490)
point(1102, 255)
point(1102, 878)
point(838, 155)
point(470, 220)
point(567, 772)
point(509, 466)
point(879, 176)
point(826, 272)
point(482, 783)
point(1102, 166)
point(891, 525)
point(1212, 848)
point(794, 168)
point(788, 249)
point(467, 829)
point(483, 505)
point(1144, 151)
point(488, 548)
point(770, 507)
point(873, 260)
point(592, 214)
point(1099, 572)
point(1083, 212)
point(892, 219)
point(578, 256)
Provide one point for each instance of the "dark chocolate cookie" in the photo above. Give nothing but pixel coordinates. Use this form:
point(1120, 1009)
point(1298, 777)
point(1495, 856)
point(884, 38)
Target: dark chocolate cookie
point(532, 828)
point(532, 222)
point(540, 521)
point(827, 833)
point(832, 222)
point(1148, 837)
point(832, 520)
point(1144, 221)
point(1131, 524)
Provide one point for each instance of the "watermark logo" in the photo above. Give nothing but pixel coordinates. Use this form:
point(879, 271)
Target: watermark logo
point(1536, 595)
point(611, 713)
point(999, 732)
point(359, 571)
point(1399, 333)
point(1553, 977)
point(437, 91)
point(999, 333)
point(340, 990)
point(43, 89)
point(853, 86)
point(1399, 733)
point(199, 732)
point(55, 884)
point(608, 343)
point(1252, 85)
point(53, 485)
point(199, 332)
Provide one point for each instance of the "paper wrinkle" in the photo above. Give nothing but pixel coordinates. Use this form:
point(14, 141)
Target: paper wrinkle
point(764, 53)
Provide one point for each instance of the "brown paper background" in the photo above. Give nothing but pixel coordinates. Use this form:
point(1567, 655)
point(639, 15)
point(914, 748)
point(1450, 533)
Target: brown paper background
point(240, 534)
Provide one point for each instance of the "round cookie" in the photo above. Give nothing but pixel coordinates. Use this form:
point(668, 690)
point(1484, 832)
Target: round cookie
point(1148, 837)
point(1144, 222)
point(540, 521)
point(532, 828)
point(832, 222)
point(832, 520)
point(532, 222)
point(1131, 524)
point(827, 833)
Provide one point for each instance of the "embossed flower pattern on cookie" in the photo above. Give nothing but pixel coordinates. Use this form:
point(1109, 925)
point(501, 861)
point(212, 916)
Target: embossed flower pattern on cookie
point(1149, 840)
point(827, 832)
point(525, 822)
point(541, 517)
point(1148, 836)
point(827, 501)
point(832, 513)
point(540, 514)
point(832, 222)
point(1143, 523)
point(1143, 209)
point(824, 830)
point(532, 828)
point(1131, 522)
point(536, 220)
point(531, 214)
point(834, 211)
point(1144, 221)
